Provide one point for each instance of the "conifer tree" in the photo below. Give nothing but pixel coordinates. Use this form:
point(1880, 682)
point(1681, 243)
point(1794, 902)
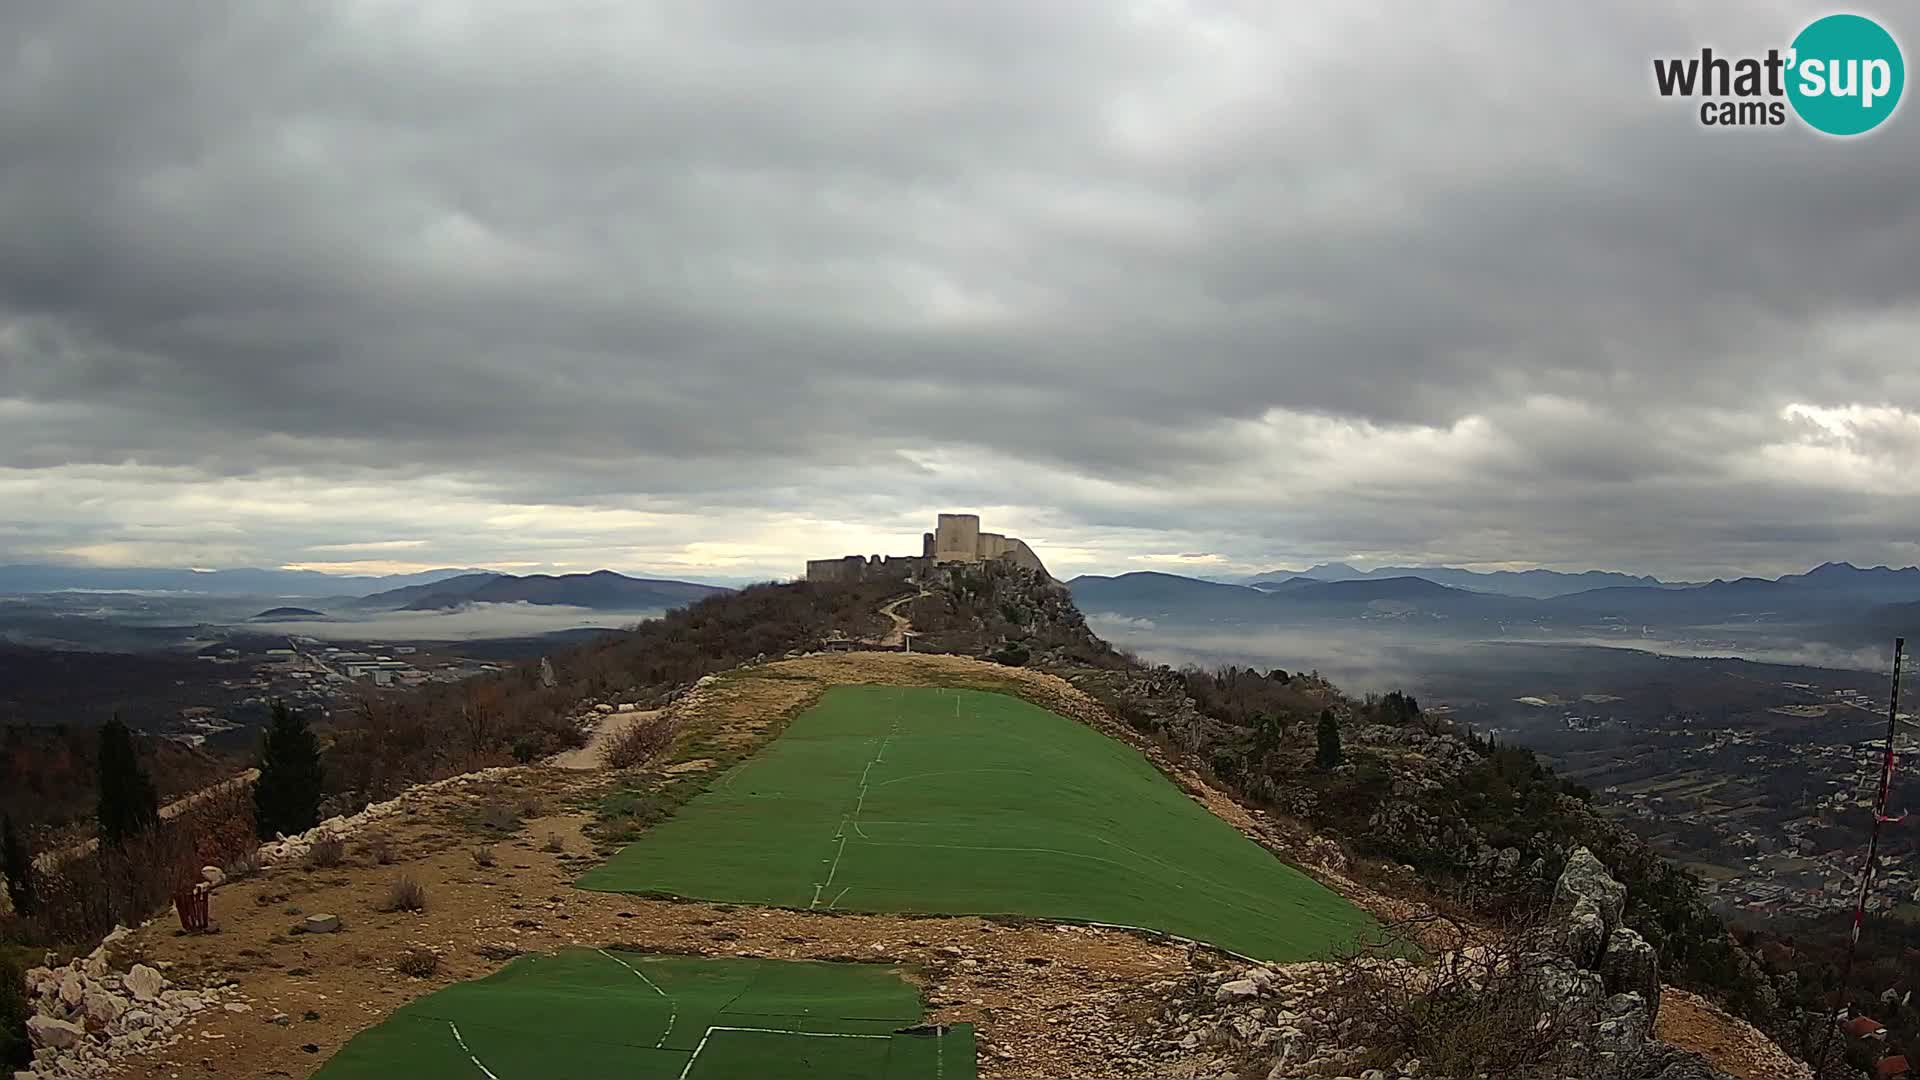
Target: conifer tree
point(128, 803)
point(1329, 755)
point(18, 865)
point(286, 798)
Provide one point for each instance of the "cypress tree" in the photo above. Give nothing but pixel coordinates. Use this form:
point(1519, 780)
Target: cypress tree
point(16, 1046)
point(1329, 755)
point(19, 869)
point(128, 802)
point(286, 798)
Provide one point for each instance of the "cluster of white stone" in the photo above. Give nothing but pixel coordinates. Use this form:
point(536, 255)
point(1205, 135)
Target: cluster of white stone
point(86, 1016)
point(296, 847)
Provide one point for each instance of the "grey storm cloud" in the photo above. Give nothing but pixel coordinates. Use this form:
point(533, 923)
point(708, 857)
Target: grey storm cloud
point(1272, 282)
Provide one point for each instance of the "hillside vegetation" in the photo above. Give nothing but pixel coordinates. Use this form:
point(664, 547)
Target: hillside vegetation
point(1420, 807)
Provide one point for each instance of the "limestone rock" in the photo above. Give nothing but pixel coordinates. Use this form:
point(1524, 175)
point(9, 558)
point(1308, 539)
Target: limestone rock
point(1237, 990)
point(73, 990)
point(1630, 966)
point(213, 876)
point(1586, 877)
point(321, 924)
point(102, 1006)
point(1583, 932)
point(144, 983)
point(56, 1034)
point(1628, 1025)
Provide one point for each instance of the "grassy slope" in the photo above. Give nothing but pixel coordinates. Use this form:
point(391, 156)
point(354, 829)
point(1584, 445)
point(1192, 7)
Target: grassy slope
point(586, 1014)
point(963, 802)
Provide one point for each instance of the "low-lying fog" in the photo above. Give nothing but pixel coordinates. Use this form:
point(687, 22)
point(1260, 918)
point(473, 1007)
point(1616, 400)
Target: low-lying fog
point(462, 624)
point(1365, 660)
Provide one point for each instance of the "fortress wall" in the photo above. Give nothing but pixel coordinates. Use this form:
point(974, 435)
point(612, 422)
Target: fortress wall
point(848, 569)
point(1020, 554)
point(956, 538)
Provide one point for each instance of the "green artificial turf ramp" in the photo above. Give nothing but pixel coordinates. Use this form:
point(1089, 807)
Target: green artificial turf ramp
point(595, 1015)
point(916, 799)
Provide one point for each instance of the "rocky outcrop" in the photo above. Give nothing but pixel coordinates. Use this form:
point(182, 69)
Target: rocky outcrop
point(86, 1016)
point(1584, 986)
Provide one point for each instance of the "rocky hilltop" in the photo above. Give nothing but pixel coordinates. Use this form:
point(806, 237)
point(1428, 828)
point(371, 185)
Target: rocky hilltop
point(1578, 996)
point(1525, 936)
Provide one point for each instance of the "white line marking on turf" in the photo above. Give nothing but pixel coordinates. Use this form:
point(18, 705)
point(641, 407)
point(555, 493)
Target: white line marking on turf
point(771, 1031)
point(940, 1052)
point(837, 899)
point(673, 1007)
point(484, 1071)
point(859, 804)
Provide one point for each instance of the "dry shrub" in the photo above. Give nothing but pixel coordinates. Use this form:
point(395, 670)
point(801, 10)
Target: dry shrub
point(405, 894)
point(497, 816)
point(83, 897)
point(1486, 1009)
point(244, 865)
point(221, 825)
point(483, 855)
point(380, 850)
point(418, 962)
point(328, 851)
point(554, 844)
point(641, 742)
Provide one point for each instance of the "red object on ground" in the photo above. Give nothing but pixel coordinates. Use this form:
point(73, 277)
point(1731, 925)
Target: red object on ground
point(191, 903)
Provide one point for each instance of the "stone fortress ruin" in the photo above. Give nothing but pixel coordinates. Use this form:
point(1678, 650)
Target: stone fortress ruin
point(956, 538)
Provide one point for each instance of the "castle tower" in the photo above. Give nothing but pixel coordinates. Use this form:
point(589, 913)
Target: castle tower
point(956, 538)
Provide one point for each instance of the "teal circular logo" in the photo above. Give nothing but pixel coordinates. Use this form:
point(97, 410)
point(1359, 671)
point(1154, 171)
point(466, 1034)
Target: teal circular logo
point(1846, 74)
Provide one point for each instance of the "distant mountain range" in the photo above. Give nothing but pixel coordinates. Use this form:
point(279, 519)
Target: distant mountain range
point(1833, 593)
point(41, 578)
point(602, 589)
point(1537, 584)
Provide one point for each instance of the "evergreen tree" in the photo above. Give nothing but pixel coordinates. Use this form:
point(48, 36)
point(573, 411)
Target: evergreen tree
point(1329, 755)
point(16, 1046)
point(286, 798)
point(1269, 731)
point(128, 802)
point(19, 869)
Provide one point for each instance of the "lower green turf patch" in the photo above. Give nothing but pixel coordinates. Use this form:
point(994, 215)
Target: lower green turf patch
point(598, 1015)
point(915, 799)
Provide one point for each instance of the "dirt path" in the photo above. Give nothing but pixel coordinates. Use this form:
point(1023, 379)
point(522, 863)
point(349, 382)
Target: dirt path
point(611, 727)
point(1728, 1043)
point(897, 636)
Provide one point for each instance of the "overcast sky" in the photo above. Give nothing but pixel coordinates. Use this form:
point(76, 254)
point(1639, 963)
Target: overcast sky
point(711, 287)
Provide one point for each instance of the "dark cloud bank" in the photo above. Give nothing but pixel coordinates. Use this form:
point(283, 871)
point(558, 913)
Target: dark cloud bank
point(714, 286)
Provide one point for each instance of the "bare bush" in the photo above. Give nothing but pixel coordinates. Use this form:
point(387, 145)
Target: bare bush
point(1489, 1008)
point(483, 856)
point(554, 844)
point(380, 850)
point(418, 962)
point(639, 743)
point(327, 852)
point(244, 865)
point(405, 894)
point(497, 816)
